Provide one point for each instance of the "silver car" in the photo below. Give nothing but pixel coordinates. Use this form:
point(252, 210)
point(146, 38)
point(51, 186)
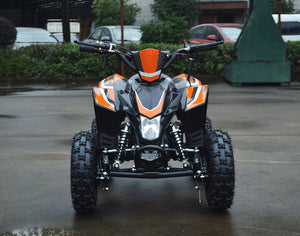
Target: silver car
point(132, 34)
point(60, 37)
point(290, 26)
point(27, 36)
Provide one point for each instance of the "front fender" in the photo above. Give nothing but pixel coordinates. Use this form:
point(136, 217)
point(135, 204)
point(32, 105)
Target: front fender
point(105, 94)
point(195, 95)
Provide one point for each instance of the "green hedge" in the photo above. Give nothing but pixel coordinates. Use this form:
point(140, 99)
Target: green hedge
point(59, 62)
point(293, 55)
point(63, 62)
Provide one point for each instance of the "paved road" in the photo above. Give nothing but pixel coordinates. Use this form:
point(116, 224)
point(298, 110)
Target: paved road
point(38, 122)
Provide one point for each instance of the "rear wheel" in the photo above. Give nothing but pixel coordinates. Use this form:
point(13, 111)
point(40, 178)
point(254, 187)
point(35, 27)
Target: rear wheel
point(208, 126)
point(94, 127)
point(83, 172)
point(220, 183)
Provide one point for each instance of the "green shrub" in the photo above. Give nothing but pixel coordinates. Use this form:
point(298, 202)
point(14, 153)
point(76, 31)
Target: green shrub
point(293, 55)
point(57, 62)
point(173, 31)
point(64, 61)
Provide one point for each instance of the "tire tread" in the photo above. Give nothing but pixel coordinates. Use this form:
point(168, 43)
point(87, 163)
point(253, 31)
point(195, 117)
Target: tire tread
point(83, 172)
point(220, 185)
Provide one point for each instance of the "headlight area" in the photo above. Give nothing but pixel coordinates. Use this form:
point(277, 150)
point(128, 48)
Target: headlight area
point(150, 128)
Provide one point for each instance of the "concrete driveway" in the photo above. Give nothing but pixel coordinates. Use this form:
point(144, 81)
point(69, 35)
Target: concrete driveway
point(37, 124)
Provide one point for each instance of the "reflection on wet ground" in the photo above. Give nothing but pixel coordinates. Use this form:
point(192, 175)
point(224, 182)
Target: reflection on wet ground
point(38, 232)
point(7, 116)
point(8, 90)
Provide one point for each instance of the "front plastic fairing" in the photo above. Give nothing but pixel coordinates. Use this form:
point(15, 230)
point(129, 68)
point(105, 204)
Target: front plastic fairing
point(165, 97)
point(150, 101)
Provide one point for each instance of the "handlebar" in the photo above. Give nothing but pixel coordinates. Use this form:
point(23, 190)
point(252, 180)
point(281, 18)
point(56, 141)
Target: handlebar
point(200, 47)
point(192, 49)
point(95, 47)
point(105, 47)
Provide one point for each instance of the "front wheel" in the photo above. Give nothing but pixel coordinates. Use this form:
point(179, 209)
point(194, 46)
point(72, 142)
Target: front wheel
point(220, 183)
point(83, 172)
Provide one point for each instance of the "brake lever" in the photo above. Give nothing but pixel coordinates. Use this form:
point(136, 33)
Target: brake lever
point(190, 70)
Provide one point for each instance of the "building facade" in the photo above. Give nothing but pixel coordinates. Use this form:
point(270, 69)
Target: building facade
point(213, 11)
point(145, 14)
point(223, 11)
point(297, 6)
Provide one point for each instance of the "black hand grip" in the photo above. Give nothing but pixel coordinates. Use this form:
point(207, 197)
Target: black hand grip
point(84, 48)
point(102, 45)
point(205, 47)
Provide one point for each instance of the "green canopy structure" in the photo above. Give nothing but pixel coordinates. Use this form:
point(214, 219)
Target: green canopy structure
point(260, 50)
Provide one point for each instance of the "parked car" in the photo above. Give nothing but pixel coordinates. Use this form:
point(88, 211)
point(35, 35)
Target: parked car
point(27, 36)
point(132, 34)
point(290, 26)
point(60, 37)
point(207, 33)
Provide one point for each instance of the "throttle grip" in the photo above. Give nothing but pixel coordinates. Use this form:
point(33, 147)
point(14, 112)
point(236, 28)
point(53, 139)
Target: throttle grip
point(84, 48)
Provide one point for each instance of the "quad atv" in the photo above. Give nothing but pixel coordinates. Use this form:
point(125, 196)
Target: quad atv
point(151, 120)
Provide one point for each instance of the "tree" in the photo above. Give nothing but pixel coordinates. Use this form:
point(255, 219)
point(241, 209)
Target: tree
point(188, 9)
point(287, 6)
point(171, 31)
point(174, 20)
point(8, 33)
point(107, 12)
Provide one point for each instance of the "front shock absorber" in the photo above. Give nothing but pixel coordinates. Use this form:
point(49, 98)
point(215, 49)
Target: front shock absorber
point(123, 141)
point(176, 132)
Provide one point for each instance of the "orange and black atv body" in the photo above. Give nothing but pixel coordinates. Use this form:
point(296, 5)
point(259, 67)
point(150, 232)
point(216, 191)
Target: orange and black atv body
point(151, 120)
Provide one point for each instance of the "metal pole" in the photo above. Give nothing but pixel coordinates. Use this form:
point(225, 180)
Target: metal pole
point(279, 14)
point(122, 31)
point(66, 20)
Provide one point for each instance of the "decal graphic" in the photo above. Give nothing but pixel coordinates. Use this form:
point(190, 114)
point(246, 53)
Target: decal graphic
point(102, 99)
point(153, 112)
point(196, 93)
point(105, 94)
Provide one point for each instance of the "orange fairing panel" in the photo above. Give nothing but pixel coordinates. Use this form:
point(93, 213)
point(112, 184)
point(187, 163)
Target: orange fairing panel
point(193, 80)
point(153, 112)
point(105, 94)
point(198, 98)
point(149, 58)
point(196, 92)
point(102, 98)
point(109, 81)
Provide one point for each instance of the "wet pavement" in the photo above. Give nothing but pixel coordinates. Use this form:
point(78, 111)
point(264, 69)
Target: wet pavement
point(36, 127)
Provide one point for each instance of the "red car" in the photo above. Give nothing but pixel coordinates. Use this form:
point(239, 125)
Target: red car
point(207, 33)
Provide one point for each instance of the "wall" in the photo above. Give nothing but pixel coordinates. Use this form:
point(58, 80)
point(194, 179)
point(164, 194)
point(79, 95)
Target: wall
point(145, 14)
